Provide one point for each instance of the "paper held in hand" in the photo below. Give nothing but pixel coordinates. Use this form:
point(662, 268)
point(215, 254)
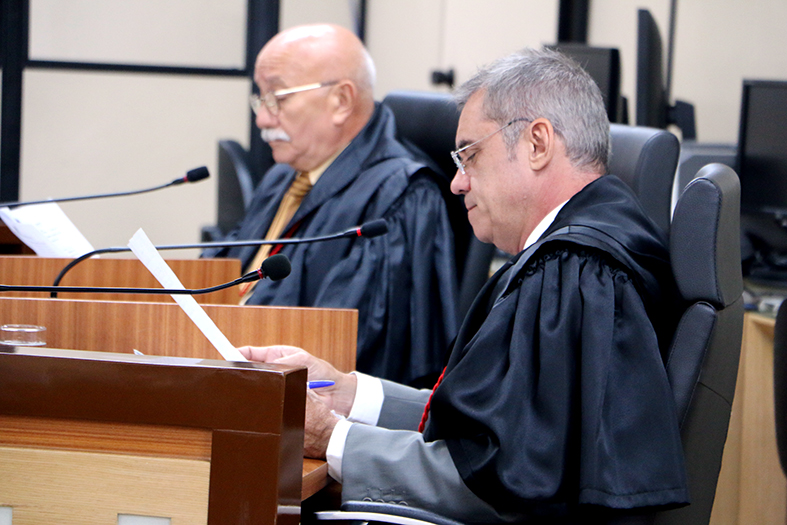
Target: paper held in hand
point(145, 251)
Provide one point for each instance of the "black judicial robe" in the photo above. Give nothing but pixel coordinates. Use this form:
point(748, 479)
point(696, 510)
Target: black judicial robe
point(557, 396)
point(402, 283)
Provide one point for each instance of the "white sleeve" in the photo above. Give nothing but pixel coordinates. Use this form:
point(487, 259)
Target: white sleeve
point(368, 400)
point(335, 450)
point(366, 409)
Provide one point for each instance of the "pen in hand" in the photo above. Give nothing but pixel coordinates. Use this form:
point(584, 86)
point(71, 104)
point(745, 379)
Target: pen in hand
point(320, 384)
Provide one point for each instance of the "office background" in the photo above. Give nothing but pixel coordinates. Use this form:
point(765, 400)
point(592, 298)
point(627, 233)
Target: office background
point(89, 132)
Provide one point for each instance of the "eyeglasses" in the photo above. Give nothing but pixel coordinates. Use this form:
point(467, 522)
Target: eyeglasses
point(271, 99)
point(460, 165)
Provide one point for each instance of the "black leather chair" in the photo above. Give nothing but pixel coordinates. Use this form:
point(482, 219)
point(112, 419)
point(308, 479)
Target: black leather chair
point(427, 121)
point(646, 159)
point(702, 364)
point(426, 124)
point(235, 188)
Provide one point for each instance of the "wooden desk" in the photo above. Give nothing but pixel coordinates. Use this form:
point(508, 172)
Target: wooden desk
point(752, 488)
point(85, 436)
point(315, 477)
point(162, 329)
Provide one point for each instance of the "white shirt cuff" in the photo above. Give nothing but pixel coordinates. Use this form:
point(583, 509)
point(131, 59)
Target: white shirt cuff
point(366, 409)
point(335, 451)
point(368, 400)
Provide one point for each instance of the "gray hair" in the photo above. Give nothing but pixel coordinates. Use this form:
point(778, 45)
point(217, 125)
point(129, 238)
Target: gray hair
point(542, 83)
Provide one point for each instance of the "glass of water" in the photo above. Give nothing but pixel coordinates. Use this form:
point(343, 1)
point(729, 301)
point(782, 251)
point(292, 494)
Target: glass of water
point(22, 335)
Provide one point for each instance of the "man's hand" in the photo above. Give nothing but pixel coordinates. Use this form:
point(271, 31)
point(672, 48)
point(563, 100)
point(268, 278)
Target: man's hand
point(317, 427)
point(338, 397)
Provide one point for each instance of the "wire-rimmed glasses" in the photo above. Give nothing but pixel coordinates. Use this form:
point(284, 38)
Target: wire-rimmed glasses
point(271, 99)
point(460, 165)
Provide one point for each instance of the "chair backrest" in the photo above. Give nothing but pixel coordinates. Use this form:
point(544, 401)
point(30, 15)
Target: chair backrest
point(236, 185)
point(427, 121)
point(702, 365)
point(603, 65)
point(426, 124)
point(646, 159)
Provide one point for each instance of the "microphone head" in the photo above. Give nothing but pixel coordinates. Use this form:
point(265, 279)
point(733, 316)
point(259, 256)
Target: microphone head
point(374, 228)
point(276, 267)
point(197, 174)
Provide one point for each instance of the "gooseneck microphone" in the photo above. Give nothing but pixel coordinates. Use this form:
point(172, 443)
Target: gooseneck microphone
point(195, 175)
point(275, 268)
point(368, 230)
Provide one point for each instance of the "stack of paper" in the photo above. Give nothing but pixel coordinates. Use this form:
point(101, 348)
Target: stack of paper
point(46, 230)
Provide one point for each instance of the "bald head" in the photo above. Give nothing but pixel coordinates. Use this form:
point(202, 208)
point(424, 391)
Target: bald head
point(322, 79)
point(322, 53)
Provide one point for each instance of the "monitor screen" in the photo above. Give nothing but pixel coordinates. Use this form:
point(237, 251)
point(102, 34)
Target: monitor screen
point(651, 98)
point(762, 147)
point(603, 65)
point(762, 168)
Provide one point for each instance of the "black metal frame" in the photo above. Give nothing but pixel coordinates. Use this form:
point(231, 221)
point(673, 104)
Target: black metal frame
point(262, 22)
point(573, 21)
point(14, 37)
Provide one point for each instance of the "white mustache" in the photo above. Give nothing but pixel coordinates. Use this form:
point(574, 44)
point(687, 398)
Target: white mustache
point(271, 134)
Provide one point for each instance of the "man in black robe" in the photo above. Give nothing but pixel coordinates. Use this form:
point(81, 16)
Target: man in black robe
point(554, 406)
point(317, 112)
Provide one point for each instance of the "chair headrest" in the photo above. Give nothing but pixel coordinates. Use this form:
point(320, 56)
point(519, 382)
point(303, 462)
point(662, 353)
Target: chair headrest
point(707, 221)
point(427, 120)
point(646, 159)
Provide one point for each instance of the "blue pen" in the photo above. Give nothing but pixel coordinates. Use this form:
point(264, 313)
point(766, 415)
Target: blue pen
point(320, 384)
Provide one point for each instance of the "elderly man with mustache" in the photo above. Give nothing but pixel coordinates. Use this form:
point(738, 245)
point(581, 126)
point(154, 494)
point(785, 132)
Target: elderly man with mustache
point(339, 166)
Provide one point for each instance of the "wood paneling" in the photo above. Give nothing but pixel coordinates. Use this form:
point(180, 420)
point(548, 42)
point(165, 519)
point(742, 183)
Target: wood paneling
point(752, 487)
point(123, 273)
point(163, 329)
point(90, 436)
point(82, 488)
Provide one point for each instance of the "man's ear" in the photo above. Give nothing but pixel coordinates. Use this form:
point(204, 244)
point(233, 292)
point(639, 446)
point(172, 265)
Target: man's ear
point(343, 100)
point(541, 143)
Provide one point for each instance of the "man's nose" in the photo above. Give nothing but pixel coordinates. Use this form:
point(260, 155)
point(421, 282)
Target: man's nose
point(265, 119)
point(460, 184)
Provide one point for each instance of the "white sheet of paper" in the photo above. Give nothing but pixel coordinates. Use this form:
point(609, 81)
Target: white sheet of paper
point(145, 251)
point(46, 229)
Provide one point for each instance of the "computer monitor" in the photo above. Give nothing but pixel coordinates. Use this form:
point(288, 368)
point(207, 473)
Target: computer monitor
point(603, 64)
point(651, 99)
point(653, 107)
point(762, 168)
